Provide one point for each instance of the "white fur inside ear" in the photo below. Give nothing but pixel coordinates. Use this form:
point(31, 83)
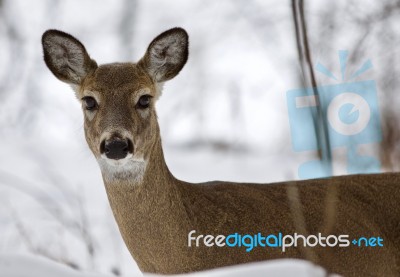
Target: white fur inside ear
point(167, 49)
point(167, 53)
point(66, 56)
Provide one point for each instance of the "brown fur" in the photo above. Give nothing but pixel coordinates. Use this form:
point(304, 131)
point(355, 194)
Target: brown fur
point(156, 212)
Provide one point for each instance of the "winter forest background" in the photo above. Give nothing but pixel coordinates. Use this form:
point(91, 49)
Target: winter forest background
point(223, 117)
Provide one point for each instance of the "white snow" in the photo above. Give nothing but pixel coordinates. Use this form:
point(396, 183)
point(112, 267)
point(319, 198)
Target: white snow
point(32, 266)
point(35, 266)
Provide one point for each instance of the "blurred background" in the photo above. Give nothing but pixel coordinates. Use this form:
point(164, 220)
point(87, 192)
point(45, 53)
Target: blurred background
point(224, 116)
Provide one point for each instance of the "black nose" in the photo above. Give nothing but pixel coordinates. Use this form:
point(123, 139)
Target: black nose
point(117, 148)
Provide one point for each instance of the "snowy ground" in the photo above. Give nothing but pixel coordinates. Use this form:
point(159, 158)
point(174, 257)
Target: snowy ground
point(28, 266)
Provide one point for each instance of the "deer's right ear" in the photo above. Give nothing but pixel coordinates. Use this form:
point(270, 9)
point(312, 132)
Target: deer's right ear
point(66, 57)
point(166, 54)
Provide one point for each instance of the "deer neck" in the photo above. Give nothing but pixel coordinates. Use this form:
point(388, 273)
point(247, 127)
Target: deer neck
point(149, 205)
point(147, 180)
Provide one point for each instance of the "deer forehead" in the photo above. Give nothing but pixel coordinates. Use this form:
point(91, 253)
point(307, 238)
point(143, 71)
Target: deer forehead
point(118, 80)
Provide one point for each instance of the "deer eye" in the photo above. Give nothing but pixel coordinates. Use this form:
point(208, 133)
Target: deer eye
point(90, 103)
point(144, 102)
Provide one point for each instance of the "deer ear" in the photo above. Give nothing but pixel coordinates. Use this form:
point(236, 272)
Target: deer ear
point(66, 57)
point(166, 54)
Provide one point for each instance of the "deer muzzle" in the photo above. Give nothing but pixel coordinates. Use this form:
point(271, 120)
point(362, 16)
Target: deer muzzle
point(116, 148)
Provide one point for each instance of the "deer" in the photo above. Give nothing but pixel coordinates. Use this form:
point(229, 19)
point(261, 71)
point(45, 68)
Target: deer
point(168, 225)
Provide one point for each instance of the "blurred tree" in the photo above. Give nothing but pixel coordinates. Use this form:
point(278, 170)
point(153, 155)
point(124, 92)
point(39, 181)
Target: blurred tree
point(309, 80)
point(127, 25)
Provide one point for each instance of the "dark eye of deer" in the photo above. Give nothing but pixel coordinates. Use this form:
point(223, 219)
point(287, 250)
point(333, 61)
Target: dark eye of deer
point(144, 102)
point(90, 103)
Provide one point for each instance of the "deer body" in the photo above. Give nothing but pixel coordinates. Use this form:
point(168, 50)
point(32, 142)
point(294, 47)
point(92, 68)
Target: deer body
point(163, 210)
point(155, 212)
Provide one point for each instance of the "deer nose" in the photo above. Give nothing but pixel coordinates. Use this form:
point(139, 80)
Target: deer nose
point(116, 149)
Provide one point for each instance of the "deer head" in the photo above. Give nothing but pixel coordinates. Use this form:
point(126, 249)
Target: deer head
point(120, 120)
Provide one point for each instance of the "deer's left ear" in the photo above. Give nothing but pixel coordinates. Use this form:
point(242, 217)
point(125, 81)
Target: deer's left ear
point(166, 55)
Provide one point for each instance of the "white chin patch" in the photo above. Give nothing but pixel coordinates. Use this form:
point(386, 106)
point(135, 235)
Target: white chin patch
point(127, 169)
